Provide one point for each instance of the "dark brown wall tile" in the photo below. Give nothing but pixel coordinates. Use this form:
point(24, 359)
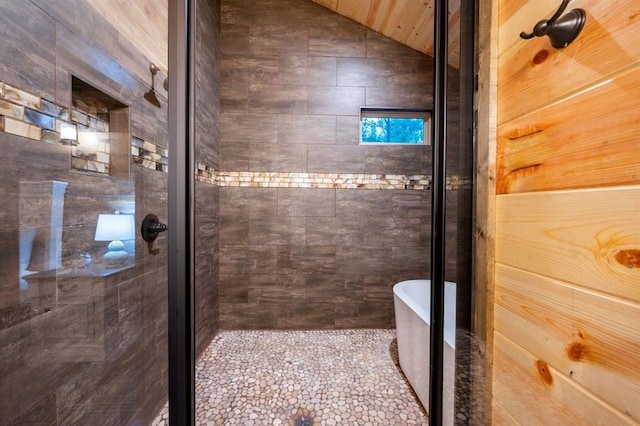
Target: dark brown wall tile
point(306, 259)
point(248, 202)
point(234, 156)
point(242, 69)
point(276, 40)
point(413, 71)
point(308, 70)
point(307, 129)
point(339, 274)
point(372, 203)
point(380, 46)
point(411, 260)
point(336, 159)
point(401, 96)
point(348, 130)
point(29, 64)
point(335, 231)
point(277, 231)
point(277, 158)
point(280, 99)
point(396, 159)
point(364, 315)
point(105, 341)
point(248, 316)
point(234, 288)
point(334, 288)
point(234, 97)
point(345, 40)
point(365, 72)
point(234, 229)
point(335, 100)
point(262, 128)
point(277, 12)
point(234, 39)
point(306, 202)
point(363, 260)
point(414, 204)
point(306, 316)
point(378, 288)
point(396, 232)
point(248, 259)
point(277, 288)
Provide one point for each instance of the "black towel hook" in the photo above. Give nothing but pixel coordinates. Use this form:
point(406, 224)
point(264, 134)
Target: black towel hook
point(562, 30)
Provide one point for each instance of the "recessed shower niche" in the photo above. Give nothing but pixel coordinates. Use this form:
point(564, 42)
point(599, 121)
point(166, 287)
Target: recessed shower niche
point(99, 132)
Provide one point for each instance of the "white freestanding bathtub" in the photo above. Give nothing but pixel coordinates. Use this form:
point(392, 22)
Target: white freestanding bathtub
point(412, 300)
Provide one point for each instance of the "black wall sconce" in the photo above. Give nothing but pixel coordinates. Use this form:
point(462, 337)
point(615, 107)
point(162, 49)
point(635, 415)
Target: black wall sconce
point(151, 94)
point(561, 29)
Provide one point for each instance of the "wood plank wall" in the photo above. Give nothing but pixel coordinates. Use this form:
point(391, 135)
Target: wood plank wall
point(566, 345)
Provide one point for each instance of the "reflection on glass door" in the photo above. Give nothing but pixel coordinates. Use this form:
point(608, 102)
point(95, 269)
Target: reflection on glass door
point(463, 367)
point(83, 158)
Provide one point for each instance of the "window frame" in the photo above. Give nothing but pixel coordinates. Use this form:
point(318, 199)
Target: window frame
point(385, 112)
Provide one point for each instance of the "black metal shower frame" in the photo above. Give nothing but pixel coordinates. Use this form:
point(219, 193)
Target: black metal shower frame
point(181, 275)
point(468, 18)
point(181, 266)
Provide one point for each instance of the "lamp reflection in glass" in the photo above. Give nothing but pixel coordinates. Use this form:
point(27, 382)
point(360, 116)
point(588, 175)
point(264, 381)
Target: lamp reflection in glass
point(115, 228)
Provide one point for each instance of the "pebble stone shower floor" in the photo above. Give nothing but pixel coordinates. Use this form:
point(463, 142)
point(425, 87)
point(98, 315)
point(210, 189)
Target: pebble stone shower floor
point(303, 378)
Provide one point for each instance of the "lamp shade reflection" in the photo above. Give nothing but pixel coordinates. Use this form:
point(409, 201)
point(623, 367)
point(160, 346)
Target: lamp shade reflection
point(115, 228)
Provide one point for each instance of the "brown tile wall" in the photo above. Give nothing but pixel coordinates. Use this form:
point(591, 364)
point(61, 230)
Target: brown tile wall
point(293, 78)
point(92, 349)
point(207, 194)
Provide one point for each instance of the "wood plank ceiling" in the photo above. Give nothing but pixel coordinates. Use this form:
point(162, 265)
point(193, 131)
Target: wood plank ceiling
point(409, 22)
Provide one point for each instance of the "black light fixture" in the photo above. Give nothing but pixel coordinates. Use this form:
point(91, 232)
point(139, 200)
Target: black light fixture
point(151, 94)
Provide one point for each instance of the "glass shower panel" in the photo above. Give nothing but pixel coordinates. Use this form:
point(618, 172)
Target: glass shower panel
point(464, 389)
point(83, 158)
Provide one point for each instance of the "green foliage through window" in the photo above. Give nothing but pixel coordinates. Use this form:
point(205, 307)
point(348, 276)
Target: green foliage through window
point(393, 126)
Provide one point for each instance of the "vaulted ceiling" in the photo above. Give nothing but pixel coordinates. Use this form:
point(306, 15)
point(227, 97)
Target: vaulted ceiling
point(409, 22)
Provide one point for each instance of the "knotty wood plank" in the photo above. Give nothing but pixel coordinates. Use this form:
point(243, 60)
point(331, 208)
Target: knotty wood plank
point(535, 393)
point(500, 415)
point(590, 238)
point(516, 16)
point(591, 338)
point(533, 74)
point(588, 140)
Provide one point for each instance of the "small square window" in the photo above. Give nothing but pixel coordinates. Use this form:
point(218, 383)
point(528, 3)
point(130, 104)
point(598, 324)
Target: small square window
point(395, 126)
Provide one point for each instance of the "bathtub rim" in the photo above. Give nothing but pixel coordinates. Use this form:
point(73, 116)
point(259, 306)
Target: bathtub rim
point(398, 290)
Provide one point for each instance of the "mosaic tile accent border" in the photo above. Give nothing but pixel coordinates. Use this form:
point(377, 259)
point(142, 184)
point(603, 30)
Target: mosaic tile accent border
point(323, 180)
point(32, 117)
point(207, 174)
point(27, 115)
point(149, 155)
